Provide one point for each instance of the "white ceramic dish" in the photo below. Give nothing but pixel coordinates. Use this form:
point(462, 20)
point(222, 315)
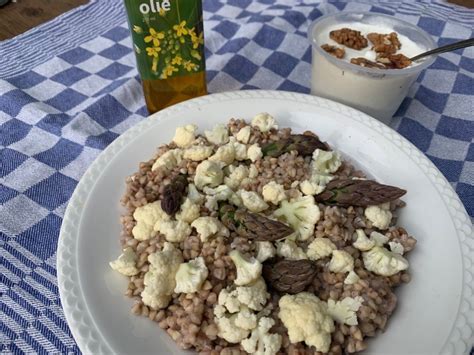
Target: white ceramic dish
point(377, 92)
point(435, 311)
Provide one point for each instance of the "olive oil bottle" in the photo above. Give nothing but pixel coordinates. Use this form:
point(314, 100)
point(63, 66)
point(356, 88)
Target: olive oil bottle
point(168, 41)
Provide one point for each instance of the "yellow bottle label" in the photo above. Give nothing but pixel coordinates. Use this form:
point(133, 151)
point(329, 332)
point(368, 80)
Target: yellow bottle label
point(167, 36)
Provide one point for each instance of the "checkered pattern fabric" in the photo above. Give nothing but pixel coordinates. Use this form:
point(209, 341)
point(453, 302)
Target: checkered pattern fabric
point(70, 87)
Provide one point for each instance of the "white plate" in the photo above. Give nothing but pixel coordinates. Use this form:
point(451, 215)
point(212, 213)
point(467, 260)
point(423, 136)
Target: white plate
point(435, 312)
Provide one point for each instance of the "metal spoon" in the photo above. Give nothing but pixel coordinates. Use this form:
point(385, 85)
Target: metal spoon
point(447, 48)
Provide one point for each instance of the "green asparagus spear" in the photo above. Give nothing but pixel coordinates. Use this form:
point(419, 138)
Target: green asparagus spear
point(303, 144)
point(348, 192)
point(253, 226)
point(289, 276)
point(173, 194)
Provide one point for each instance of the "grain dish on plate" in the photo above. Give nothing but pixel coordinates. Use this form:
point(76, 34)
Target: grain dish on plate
point(248, 238)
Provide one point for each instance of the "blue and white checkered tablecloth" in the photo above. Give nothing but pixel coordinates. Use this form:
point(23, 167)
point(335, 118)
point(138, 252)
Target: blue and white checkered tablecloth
point(70, 87)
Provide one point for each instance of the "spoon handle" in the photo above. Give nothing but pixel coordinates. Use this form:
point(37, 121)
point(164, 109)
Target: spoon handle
point(447, 48)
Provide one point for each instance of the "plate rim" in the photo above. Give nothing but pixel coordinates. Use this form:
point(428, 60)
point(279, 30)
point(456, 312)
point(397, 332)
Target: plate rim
point(81, 323)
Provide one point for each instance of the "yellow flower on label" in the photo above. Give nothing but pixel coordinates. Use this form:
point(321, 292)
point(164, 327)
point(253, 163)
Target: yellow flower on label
point(197, 40)
point(177, 60)
point(154, 65)
point(181, 29)
point(168, 71)
point(153, 51)
point(195, 54)
point(162, 12)
point(191, 32)
point(137, 29)
point(189, 66)
point(155, 37)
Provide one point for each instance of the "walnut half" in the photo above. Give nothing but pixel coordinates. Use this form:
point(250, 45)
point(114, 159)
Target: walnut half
point(363, 62)
point(349, 38)
point(395, 61)
point(384, 44)
point(334, 51)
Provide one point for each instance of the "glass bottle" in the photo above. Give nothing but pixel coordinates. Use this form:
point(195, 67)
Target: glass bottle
point(168, 41)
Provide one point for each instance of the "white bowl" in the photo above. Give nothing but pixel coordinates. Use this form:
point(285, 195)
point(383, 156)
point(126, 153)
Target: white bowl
point(377, 92)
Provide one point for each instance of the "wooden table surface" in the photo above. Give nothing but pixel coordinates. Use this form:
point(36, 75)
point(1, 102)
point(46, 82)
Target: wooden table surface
point(20, 16)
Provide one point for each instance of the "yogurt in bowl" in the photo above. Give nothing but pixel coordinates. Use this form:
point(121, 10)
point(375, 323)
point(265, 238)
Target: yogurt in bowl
point(378, 92)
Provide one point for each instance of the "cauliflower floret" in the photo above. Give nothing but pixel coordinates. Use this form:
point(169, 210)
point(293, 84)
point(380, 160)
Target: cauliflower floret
point(236, 176)
point(264, 122)
point(309, 188)
point(243, 135)
point(227, 329)
point(306, 318)
point(223, 192)
point(194, 196)
point(185, 135)
point(190, 276)
point(273, 192)
point(197, 152)
point(240, 149)
point(220, 311)
point(247, 270)
point(160, 281)
point(325, 162)
point(380, 216)
point(174, 231)
point(220, 193)
point(320, 248)
point(228, 299)
point(208, 173)
point(224, 154)
point(254, 152)
point(252, 201)
point(189, 211)
point(344, 311)
point(341, 261)
point(351, 278)
point(168, 160)
point(301, 214)
point(236, 200)
point(362, 242)
point(384, 262)
point(209, 226)
point(265, 250)
point(378, 238)
point(246, 319)
point(233, 312)
point(316, 184)
point(219, 134)
point(290, 250)
point(396, 247)
point(146, 217)
point(125, 263)
point(261, 341)
point(253, 171)
point(253, 295)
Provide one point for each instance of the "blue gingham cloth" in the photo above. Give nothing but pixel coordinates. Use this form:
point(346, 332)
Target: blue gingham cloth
point(70, 87)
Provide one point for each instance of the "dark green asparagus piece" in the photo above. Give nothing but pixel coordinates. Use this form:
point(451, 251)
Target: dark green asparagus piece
point(303, 144)
point(289, 276)
point(253, 226)
point(348, 192)
point(173, 194)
